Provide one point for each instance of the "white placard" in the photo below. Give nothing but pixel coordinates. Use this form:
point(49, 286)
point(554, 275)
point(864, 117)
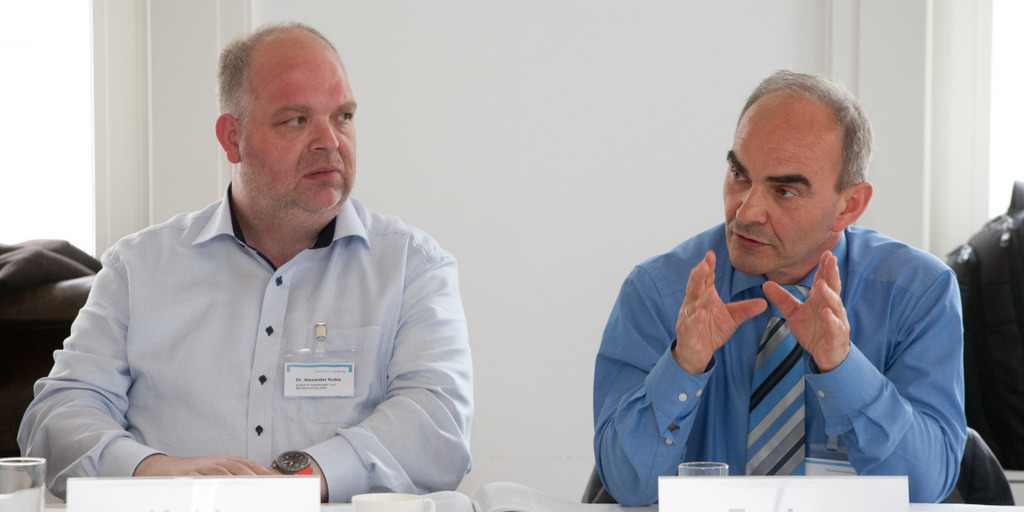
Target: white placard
point(783, 494)
point(294, 493)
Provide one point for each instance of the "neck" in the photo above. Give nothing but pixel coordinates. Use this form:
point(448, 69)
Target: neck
point(282, 238)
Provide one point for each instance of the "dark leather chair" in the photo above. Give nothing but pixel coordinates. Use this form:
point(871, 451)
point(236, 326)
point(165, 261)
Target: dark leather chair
point(595, 491)
point(981, 482)
point(43, 284)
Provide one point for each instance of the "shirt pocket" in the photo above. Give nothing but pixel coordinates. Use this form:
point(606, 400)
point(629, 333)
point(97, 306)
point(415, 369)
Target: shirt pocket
point(366, 347)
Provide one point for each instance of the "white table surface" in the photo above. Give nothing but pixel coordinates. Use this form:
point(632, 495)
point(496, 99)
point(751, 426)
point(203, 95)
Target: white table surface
point(914, 507)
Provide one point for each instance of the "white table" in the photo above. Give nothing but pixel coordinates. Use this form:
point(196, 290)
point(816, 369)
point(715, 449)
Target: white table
point(914, 507)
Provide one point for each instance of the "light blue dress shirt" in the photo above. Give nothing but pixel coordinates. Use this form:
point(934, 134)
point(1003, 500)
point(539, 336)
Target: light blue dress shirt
point(180, 350)
point(893, 407)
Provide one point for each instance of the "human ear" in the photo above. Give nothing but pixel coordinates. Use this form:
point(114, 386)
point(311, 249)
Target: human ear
point(228, 131)
point(852, 201)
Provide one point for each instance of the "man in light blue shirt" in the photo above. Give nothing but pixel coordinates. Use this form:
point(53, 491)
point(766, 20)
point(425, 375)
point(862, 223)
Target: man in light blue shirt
point(283, 329)
point(879, 335)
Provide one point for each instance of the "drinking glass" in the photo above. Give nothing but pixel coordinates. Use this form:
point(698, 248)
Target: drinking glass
point(703, 469)
point(22, 484)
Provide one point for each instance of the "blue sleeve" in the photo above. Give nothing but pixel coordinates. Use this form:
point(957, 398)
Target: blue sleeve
point(644, 402)
point(906, 418)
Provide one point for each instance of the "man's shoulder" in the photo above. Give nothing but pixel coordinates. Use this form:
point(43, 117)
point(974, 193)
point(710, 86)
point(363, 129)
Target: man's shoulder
point(874, 255)
point(183, 228)
point(391, 231)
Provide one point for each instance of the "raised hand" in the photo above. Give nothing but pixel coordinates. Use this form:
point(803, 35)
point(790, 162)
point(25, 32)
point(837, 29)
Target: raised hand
point(705, 322)
point(819, 323)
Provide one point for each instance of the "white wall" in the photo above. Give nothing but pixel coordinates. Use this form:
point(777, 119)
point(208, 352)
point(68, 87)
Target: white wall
point(551, 146)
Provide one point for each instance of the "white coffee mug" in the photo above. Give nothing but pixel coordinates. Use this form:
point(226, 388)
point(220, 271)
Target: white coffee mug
point(391, 502)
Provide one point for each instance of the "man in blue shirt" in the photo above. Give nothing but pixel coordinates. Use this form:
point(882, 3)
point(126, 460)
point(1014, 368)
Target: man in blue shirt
point(879, 334)
point(283, 329)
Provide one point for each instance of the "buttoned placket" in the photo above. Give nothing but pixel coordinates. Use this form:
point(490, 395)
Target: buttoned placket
point(263, 385)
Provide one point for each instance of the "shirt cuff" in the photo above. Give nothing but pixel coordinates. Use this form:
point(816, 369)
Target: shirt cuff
point(122, 456)
point(846, 390)
point(342, 468)
point(673, 392)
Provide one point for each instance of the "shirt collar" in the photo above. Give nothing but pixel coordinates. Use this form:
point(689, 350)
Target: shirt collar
point(224, 223)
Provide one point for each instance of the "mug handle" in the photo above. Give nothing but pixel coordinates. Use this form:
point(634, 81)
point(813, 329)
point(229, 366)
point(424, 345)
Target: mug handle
point(429, 505)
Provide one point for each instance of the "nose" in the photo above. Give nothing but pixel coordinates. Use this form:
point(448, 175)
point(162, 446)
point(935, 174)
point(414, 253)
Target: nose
point(324, 136)
point(752, 208)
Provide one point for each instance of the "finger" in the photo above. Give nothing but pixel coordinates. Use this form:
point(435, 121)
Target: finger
point(744, 310)
point(830, 264)
point(239, 467)
point(211, 470)
point(784, 301)
point(709, 263)
point(702, 276)
point(826, 297)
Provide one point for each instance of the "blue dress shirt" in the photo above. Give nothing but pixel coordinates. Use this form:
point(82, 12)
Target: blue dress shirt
point(180, 350)
point(893, 407)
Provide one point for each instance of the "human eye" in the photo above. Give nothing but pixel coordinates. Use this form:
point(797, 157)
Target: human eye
point(345, 117)
point(295, 121)
point(785, 192)
point(736, 174)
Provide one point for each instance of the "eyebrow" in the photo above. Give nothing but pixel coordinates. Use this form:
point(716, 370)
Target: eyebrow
point(784, 179)
point(348, 106)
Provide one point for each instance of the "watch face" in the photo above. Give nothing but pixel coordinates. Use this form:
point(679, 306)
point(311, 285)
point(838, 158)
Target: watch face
point(293, 462)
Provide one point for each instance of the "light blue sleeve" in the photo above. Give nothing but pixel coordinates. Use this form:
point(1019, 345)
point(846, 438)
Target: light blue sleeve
point(417, 439)
point(906, 419)
point(644, 402)
point(77, 419)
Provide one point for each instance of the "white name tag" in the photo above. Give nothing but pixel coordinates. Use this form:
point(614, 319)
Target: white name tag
point(319, 379)
point(294, 493)
point(783, 494)
point(827, 467)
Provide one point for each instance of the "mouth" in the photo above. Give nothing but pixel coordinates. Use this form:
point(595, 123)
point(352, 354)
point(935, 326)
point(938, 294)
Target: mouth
point(747, 240)
point(322, 173)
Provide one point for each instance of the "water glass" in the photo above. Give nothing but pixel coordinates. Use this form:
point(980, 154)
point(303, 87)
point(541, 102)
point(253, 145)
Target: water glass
point(22, 484)
point(703, 469)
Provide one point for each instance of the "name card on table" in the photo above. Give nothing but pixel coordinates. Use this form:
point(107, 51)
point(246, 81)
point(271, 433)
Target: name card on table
point(783, 494)
point(294, 493)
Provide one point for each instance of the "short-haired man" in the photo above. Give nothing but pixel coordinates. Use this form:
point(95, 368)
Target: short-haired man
point(282, 329)
point(870, 380)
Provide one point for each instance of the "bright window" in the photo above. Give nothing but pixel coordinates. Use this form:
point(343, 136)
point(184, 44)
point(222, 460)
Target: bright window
point(1007, 111)
point(46, 96)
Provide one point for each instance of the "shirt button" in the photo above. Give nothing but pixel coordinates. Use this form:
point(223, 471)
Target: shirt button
point(259, 429)
point(668, 441)
point(700, 392)
point(263, 379)
point(682, 397)
point(821, 393)
point(270, 330)
point(280, 280)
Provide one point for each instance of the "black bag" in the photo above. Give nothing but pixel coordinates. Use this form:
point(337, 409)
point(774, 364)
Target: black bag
point(990, 270)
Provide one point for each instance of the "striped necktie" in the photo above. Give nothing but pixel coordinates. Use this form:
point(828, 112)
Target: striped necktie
point(775, 438)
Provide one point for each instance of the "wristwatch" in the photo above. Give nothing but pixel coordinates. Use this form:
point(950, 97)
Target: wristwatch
point(293, 463)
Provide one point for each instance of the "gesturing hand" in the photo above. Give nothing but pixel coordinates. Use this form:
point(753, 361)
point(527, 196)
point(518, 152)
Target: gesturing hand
point(819, 324)
point(705, 322)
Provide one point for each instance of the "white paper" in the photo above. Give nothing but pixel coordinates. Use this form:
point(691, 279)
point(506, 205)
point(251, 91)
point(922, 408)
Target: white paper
point(783, 494)
point(294, 493)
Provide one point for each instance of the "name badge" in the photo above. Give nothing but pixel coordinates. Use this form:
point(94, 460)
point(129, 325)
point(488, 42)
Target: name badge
point(319, 372)
point(319, 379)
